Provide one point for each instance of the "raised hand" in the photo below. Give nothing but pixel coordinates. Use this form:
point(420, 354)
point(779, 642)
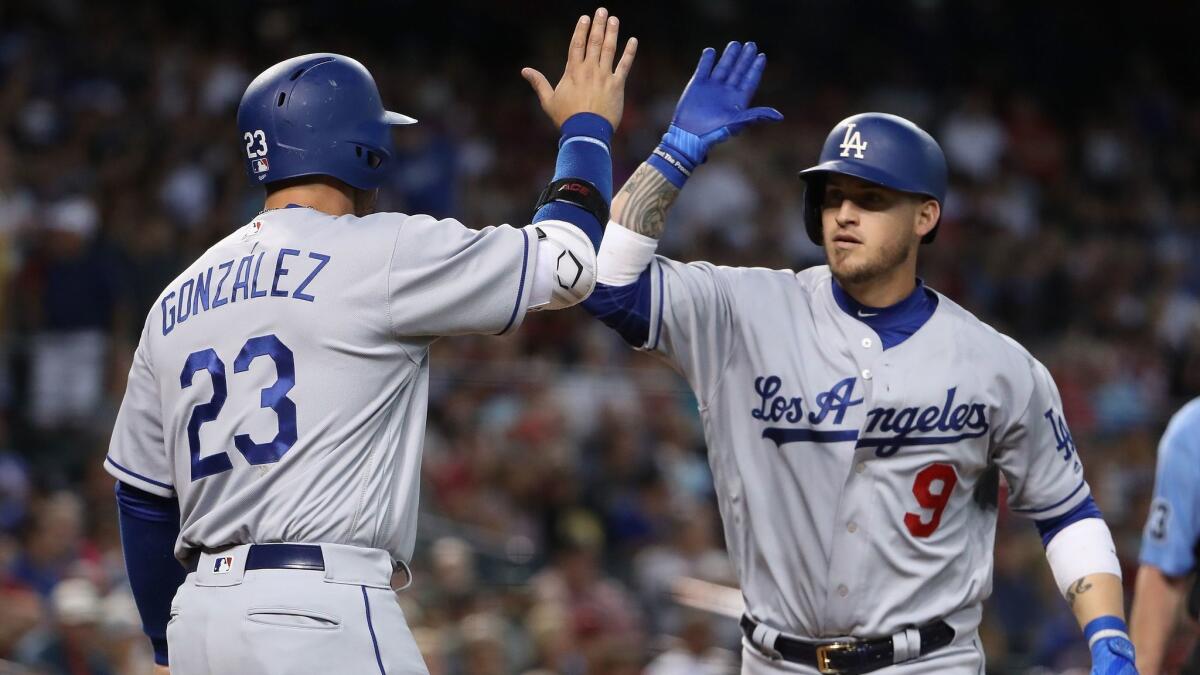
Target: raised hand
point(713, 106)
point(589, 83)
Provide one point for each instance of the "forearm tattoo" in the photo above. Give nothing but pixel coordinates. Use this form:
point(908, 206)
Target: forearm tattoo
point(642, 203)
point(1077, 589)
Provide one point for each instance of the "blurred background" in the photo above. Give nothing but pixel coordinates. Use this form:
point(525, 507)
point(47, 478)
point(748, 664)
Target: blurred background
point(568, 519)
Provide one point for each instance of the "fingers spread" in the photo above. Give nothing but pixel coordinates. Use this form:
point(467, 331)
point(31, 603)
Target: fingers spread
point(596, 36)
point(626, 61)
point(743, 63)
point(704, 68)
point(728, 58)
point(579, 39)
point(609, 50)
point(541, 86)
point(750, 82)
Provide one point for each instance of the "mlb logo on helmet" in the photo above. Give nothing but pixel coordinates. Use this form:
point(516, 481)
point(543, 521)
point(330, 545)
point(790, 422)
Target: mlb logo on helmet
point(259, 166)
point(222, 565)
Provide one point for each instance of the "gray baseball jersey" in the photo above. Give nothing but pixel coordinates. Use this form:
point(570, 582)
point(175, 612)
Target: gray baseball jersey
point(279, 388)
point(856, 483)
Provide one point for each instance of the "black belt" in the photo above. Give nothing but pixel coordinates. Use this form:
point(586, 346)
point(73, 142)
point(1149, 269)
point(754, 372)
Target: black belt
point(274, 557)
point(848, 658)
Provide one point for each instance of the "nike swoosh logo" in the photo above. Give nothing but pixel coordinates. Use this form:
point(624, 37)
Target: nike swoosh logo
point(865, 314)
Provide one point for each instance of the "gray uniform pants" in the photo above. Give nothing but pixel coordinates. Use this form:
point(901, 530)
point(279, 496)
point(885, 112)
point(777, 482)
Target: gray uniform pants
point(226, 620)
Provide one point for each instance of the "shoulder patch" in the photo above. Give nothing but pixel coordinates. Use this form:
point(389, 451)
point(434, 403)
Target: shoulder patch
point(1160, 514)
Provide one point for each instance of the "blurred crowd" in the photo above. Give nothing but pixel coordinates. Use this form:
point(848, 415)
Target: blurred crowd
point(568, 518)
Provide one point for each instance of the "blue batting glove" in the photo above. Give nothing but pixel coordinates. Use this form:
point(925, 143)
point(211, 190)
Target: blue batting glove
point(1112, 652)
point(713, 108)
point(1113, 656)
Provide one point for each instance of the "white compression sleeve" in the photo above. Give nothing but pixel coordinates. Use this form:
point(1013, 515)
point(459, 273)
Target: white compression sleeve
point(1079, 549)
point(624, 255)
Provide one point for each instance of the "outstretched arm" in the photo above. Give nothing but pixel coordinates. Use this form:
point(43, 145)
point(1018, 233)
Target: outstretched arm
point(712, 108)
point(586, 105)
point(641, 205)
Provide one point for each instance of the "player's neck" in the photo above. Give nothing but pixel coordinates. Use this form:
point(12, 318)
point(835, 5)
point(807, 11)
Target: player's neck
point(325, 197)
point(885, 290)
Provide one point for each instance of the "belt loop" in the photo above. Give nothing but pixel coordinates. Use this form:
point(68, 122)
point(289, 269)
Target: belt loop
point(914, 641)
point(906, 645)
point(408, 575)
point(764, 636)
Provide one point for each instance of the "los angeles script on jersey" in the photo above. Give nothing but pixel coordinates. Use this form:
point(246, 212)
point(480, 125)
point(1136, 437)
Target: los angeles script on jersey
point(885, 429)
point(214, 288)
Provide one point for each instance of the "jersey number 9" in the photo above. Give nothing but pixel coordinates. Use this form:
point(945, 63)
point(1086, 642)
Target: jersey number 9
point(928, 499)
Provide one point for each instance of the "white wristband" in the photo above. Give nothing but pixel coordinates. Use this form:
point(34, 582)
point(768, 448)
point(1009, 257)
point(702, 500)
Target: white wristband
point(624, 255)
point(1082, 548)
point(1106, 633)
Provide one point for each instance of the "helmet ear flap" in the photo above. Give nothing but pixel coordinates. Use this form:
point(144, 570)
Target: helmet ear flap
point(814, 191)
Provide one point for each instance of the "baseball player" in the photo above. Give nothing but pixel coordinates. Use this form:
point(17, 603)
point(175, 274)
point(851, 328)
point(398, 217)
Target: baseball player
point(1169, 541)
point(270, 436)
point(857, 421)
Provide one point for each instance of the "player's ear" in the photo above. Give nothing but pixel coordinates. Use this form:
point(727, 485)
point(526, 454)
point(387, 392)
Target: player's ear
point(928, 213)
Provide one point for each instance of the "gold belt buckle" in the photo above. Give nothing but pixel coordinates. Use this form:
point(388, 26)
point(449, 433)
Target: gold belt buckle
point(823, 656)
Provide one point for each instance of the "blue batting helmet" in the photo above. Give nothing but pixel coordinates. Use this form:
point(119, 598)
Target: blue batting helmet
point(317, 114)
point(879, 148)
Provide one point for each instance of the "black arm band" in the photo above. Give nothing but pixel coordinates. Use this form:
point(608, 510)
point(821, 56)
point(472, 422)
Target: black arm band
point(579, 192)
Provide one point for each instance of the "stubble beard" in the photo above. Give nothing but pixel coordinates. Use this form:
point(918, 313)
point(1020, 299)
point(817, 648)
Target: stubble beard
point(887, 259)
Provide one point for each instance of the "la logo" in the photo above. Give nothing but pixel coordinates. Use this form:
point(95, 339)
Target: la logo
point(853, 141)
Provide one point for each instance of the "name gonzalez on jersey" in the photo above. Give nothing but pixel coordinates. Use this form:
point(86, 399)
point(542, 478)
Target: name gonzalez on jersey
point(969, 420)
point(193, 295)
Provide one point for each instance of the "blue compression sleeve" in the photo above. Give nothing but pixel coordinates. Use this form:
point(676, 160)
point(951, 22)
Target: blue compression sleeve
point(583, 152)
point(149, 528)
point(625, 309)
point(1052, 526)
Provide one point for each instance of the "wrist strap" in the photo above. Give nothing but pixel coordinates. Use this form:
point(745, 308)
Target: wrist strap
point(575, 191)
point(674, 168)
point(588, 125)
point(1104, 627)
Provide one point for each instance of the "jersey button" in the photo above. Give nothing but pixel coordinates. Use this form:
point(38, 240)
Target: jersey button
point(866, 374)
point(860, 467)
point(866, 343)
point(843, 591)
point(852, 527)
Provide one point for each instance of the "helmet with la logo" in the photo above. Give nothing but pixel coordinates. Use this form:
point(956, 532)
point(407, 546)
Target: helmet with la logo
point(879, 148)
